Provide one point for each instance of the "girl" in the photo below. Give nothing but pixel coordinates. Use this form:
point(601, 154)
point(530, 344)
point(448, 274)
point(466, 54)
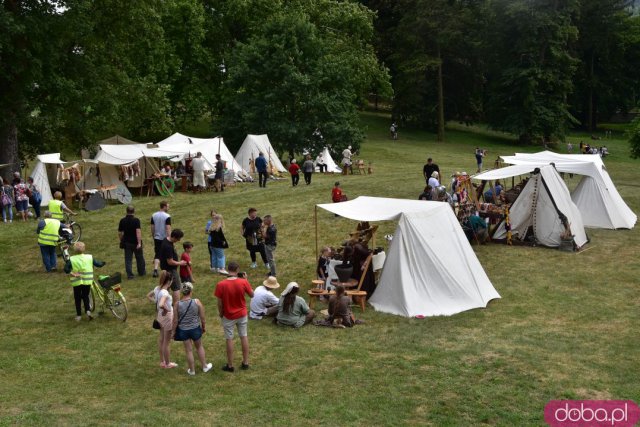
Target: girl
point(164, 305)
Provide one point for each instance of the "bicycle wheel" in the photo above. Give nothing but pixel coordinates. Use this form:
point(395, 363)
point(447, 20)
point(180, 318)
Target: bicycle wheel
point(117, 304)
point(77, 232)
point(92, 299)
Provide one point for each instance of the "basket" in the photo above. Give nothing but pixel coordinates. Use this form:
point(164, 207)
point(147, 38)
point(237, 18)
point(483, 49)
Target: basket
point(111, 280)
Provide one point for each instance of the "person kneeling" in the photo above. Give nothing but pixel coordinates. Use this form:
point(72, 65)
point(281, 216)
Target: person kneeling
point(292, 309)
point(340, 314)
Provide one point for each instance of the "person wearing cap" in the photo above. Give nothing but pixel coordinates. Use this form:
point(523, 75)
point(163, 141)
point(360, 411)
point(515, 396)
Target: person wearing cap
point(434, 182)
point(429, 169)
point(232, 309)
point(190, 325)
point(292, 309)
point(264, 302)
point(294, 170)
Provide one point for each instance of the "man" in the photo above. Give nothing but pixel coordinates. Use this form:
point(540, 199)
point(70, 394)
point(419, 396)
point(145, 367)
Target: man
point(307, 168)
point(57, 207)
point(270, 234)
point(232, 309)
point(48, 236)
point(261, 167)
point(479, 156)
point(322, 167)
point(160, 229)
point(429, 169)
point(252, 232)
point(130, 234)
point(346, 160)
point(16, 178)
point(198, 165)
point(169, 261)
point(264, 302)
point(219, 176)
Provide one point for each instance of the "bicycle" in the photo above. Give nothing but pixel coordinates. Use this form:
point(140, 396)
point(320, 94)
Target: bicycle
point(76, 229)
point(107, 290)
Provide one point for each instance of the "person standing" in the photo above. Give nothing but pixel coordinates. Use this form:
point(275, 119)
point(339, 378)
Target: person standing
point(80, 270)
point(130, 234)
point(161, 296)
point(434, 183)
point(479, 157)
point(429, 169)
point(186, 273)
point(307, 168)
point(346, 160)
point(190, 326)
point(198, 165)
point(169, 261)
point(160, 229)
point(36, 197)
point(58, 208)
point(251, 231)
point(232, 309)
point(219, 176)
point(20, 190)
point(7, 201)
point(48, 236)
point(261, 167)
point(294, 170)
point(217, 244)
point(270, 234)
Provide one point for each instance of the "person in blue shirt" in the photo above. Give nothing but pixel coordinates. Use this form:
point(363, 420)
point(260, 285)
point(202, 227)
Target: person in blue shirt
point(261, 167)
point(488, 195)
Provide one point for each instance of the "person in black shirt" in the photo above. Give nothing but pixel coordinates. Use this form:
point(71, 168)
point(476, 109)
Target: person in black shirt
point(130, 235)
point(270, 234)
point(169, 262)
point(252, 232)
point(429, 169)
point(219, 176)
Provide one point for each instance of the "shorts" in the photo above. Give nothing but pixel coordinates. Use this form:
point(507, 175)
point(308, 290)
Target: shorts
point(188, 334)
point(22, 205)
point(227, 326)
point(156, 247)
point(177, 283)
point(166, 321)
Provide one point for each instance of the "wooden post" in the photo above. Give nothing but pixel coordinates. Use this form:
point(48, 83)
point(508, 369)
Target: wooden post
point(315, 220)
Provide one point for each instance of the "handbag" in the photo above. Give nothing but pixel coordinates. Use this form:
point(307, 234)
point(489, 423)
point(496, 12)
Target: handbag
point(6, 200)
point(225, 245)
point(178, 335)
point(156, 324)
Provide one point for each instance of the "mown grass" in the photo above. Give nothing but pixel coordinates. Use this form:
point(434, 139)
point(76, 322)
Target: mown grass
point(564, 328)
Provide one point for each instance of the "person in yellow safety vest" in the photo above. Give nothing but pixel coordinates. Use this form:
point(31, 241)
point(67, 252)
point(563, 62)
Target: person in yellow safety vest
point(48, 236)
point(80, 269)
point(58, 208)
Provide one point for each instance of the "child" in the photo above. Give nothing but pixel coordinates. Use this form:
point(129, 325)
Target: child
point(336, 193)
point(185, 270)
point(80, 269)
point(323, 264)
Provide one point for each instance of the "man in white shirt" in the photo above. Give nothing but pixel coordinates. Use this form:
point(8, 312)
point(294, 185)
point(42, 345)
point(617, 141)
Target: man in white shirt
point(264, 302)
point(198, 165)
point(346, 160)
point(160, 230)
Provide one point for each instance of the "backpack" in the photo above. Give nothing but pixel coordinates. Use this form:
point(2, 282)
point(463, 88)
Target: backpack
point(6, 200)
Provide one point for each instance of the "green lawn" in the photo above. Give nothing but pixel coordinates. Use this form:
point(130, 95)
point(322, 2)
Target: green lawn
point(565, 328)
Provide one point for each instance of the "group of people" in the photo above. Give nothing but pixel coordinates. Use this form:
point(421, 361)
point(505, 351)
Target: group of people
point(19, 194)
point(197, 166)
point(308, 167)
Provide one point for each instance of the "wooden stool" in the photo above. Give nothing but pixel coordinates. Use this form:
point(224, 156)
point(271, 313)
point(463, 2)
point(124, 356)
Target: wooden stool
point(318, 284)
point(313, 296)
point(359, 298)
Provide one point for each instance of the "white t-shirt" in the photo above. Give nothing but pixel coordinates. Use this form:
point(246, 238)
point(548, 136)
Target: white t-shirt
point(433, 182)
point(159, 293)
point(262, 299)
point(160, 225)
point(198, 164)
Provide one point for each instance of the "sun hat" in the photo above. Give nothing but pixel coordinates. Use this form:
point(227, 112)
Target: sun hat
point(271, 283)
point(435, 174)
point(289, 288)
point(455, 174)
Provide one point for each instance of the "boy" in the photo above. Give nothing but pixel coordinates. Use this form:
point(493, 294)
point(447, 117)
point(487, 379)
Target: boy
point(186, 274)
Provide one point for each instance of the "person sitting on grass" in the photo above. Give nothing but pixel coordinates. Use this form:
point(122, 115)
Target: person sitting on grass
point(264, 302)
point(292, 309)
point(340, 314)
point(190, 326)
point(80, 270)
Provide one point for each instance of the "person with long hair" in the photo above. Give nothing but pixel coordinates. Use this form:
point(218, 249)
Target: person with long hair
point(217, 244)
point(190, 327)
point(292, 309)
point(340, 309)
point(161, 296)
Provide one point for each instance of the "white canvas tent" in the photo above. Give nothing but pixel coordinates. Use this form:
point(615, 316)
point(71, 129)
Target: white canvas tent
point(596, 196)
point(540, 205)
point(44, 172)
point(328, 160)
point(252, 146)
point(209, 147)
point(430, 268)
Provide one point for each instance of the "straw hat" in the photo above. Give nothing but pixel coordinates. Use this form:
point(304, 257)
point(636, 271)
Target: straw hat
point(289, 288)
point(271, 283)
point(435, 174)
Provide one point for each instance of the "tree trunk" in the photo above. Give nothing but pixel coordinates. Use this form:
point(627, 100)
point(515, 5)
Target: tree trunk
point(440, 99)
point(9, 143)
point(590, 116)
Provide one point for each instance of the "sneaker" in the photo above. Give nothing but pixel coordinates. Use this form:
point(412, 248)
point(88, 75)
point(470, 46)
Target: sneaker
point(190, 372)
point(223, 272)
point(78, 318)
point(155, 273)
point(214, 270)
point(244, 366)
point(267, 266)
point(254, 265)
point(171, 365)
point(228, 368)
point(131, 277)
point(207, 368)
point(89, 315)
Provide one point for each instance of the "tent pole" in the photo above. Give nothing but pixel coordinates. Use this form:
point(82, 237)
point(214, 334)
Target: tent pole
point(315, 220)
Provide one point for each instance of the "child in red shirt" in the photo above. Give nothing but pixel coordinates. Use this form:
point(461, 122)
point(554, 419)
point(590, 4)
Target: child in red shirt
point(185, 270)
point(336, 194)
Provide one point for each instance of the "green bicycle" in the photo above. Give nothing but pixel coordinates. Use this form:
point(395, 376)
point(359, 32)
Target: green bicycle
point(107, 290)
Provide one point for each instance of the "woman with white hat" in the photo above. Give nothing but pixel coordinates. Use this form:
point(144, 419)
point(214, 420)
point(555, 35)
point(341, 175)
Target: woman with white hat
point(434, 183)
point(292, 309)
point(264, 302)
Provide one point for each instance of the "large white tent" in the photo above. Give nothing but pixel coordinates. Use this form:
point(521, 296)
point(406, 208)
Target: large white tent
point(328, 160)
point(541, 205)
point(596, 196)
point(43, 172)
point(430, 268)
point(209, 147)
point(254, 145)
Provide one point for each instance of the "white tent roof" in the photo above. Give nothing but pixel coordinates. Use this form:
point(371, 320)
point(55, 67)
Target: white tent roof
point(125, 154)
point(41, 177)
point(207, 146)
point(252, 146)
point(596, 196)
point(537, 206)
point(430, 269)
point(328, 160)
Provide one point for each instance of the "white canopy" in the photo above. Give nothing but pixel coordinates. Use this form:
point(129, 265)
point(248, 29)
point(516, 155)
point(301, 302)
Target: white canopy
point(430, 268)
point(209, 147)
point(126, 154)
point(252, 146)
point(328, 160)
point(596, 196)
point(539, 206)
point(41, 173)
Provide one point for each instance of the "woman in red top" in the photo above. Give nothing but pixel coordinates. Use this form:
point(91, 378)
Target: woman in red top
point(293, 170)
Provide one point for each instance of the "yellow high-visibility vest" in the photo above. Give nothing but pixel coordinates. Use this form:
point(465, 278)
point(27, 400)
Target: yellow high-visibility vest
point(82, 264)
point(55, 207)
point(49, 236)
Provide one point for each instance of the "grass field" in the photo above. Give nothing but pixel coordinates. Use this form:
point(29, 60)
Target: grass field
point(565, 328)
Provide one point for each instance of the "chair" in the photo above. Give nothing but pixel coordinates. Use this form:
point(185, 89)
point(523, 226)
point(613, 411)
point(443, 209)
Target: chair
point(360, 297)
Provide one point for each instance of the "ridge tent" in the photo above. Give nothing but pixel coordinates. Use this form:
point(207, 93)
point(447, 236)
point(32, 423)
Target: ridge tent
point(595, 195)
point(541, 205)
point(252, 146)
point(430, 268)
point(328, 160)
point(209, 147)
point(45, 171)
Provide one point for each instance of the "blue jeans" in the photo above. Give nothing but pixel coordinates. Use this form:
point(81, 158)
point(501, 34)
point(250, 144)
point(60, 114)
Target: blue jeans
point(49, 257)
point(7, 211)
point(217, 257)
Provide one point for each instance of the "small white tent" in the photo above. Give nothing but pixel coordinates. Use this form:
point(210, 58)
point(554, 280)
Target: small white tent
point(332, 167)
point(541, 205)
point(430, 268)
point(252, 146)
point(44, 172)
point(209, 147)
point(596, 196)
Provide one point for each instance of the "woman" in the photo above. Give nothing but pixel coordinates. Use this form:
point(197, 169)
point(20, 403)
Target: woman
point(164, 305)
point(206, 231)
point(7, 201)
point(251, 231)
point(190, 327)
point(36, 197)
point(307, 168)
point(292, 309)
point(217, 244)
point(294, 170)
point(22, 199)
